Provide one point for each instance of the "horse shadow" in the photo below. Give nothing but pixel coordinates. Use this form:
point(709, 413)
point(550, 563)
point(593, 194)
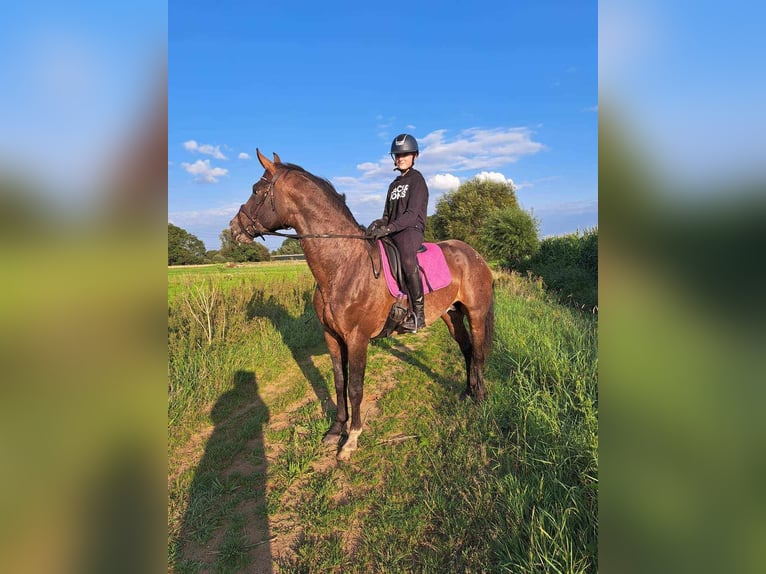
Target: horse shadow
point(225, 526)
point(301, 335)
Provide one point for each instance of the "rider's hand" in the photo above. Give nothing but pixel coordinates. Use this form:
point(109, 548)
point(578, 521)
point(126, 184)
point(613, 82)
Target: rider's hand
point(374, 225)
point(379, 232)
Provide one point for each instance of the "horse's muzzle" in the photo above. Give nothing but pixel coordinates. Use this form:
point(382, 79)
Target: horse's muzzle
point(238, 234)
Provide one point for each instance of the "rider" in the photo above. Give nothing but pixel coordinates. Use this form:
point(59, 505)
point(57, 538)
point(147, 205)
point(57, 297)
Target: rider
point(404, 219)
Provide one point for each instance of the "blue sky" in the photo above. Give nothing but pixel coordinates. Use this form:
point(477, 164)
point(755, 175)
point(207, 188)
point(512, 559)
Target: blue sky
point(505, 90)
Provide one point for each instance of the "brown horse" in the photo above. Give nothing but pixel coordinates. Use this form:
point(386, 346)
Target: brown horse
point(351, 303)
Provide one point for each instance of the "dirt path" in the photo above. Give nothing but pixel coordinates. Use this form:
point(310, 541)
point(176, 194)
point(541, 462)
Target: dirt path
point(260, 523)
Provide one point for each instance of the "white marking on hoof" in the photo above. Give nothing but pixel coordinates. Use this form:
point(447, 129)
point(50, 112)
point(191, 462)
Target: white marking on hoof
point(350, 445)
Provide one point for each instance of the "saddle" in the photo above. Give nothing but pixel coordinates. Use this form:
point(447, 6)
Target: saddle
point(431, 263)
point(395, 263)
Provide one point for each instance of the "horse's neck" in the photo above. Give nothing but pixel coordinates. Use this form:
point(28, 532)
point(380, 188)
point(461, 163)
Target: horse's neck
point(328, 257)
point(331, 259)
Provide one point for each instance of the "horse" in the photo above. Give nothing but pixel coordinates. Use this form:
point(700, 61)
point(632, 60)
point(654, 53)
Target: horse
point(351, 301)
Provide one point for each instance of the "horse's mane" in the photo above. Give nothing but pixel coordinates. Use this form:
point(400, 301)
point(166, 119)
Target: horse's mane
point(339, 200)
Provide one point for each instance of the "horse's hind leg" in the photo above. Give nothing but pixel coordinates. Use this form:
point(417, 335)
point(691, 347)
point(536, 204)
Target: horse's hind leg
point(473, 344)
point(482, 327)
point(455, 320)
point(339, 356)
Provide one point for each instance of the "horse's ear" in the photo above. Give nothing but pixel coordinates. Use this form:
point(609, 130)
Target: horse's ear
point(276, 158)
point(267, 165)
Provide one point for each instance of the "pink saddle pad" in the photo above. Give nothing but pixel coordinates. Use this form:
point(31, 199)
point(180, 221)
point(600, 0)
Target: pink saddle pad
point(433, 270)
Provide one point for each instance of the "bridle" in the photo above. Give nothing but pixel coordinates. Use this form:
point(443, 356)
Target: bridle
point(251, 231)
point(269, 192)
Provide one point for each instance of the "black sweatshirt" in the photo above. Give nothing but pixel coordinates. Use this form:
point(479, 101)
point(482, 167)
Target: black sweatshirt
point(407, 202)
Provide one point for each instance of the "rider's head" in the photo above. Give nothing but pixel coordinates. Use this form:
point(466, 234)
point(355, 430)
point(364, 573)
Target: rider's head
point(404, 150)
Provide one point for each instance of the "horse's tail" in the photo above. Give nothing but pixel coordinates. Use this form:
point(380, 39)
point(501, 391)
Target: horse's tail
point(489, 325)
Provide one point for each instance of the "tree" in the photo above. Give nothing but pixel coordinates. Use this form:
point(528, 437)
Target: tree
point(235, 251)
point(430, 234)
point(289, 246)
point(183, 247)
point(460, 214)
point(511, 235)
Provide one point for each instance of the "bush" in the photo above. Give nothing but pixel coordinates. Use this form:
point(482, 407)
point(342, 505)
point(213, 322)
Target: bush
point(568, 265)
point(461, 213)
point(510, 235)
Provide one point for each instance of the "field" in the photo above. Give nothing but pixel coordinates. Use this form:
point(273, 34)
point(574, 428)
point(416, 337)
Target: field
point(437, 485)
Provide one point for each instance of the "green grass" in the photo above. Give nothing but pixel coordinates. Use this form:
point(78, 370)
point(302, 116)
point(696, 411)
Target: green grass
point(182, 277)
point(437, 485)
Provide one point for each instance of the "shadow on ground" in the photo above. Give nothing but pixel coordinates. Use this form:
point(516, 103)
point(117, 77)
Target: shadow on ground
point(225, 527)
point(302, 335)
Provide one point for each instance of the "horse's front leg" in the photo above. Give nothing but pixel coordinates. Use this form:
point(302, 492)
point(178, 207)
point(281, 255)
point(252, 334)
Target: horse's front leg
point(339, 356)
point(357, 363)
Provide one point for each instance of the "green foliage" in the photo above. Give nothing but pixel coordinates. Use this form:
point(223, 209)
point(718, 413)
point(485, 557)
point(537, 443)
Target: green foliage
point(461, 214)
point(510, 235)
point(430, 234)
point(183, 247)
point(568, 265)
point(233, 250)
point(289, 246)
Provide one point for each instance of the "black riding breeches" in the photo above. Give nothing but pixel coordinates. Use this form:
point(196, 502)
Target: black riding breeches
point(408, 241)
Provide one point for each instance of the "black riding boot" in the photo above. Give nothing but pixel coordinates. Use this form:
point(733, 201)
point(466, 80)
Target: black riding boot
point(417, 320)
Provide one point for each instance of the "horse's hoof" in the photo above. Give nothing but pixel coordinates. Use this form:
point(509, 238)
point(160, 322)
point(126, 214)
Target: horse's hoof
point(344, 455)
point(349, 446)
point(331, 438)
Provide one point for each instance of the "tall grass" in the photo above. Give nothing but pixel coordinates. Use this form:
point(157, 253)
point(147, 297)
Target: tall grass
point(438, 485)
point(222, 322)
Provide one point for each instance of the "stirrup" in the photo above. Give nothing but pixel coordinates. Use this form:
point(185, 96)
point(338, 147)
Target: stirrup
point(410, 324)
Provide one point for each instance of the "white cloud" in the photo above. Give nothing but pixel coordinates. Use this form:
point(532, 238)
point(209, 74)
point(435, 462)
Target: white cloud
point(469, 150)
point(367, 166)
point(207, 149)
point(214, 215)
point(443, 182)
point(477, 148)
point(203, 172)
point(243, 155)
point(494, 176)
point(364, 198)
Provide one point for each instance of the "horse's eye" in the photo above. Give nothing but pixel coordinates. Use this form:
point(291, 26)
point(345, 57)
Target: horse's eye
point(255, 191)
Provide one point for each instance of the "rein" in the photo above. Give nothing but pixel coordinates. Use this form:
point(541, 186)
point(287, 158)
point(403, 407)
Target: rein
point(313, 235)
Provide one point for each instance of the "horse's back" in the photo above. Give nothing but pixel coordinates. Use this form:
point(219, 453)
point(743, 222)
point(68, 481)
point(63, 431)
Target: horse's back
point(462, 257)
point(471, 276)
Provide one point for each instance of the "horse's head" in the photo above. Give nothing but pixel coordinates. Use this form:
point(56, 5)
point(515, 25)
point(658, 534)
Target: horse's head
point(259, 213)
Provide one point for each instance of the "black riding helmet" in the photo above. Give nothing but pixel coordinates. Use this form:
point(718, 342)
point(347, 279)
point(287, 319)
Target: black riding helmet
point(404, 143)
